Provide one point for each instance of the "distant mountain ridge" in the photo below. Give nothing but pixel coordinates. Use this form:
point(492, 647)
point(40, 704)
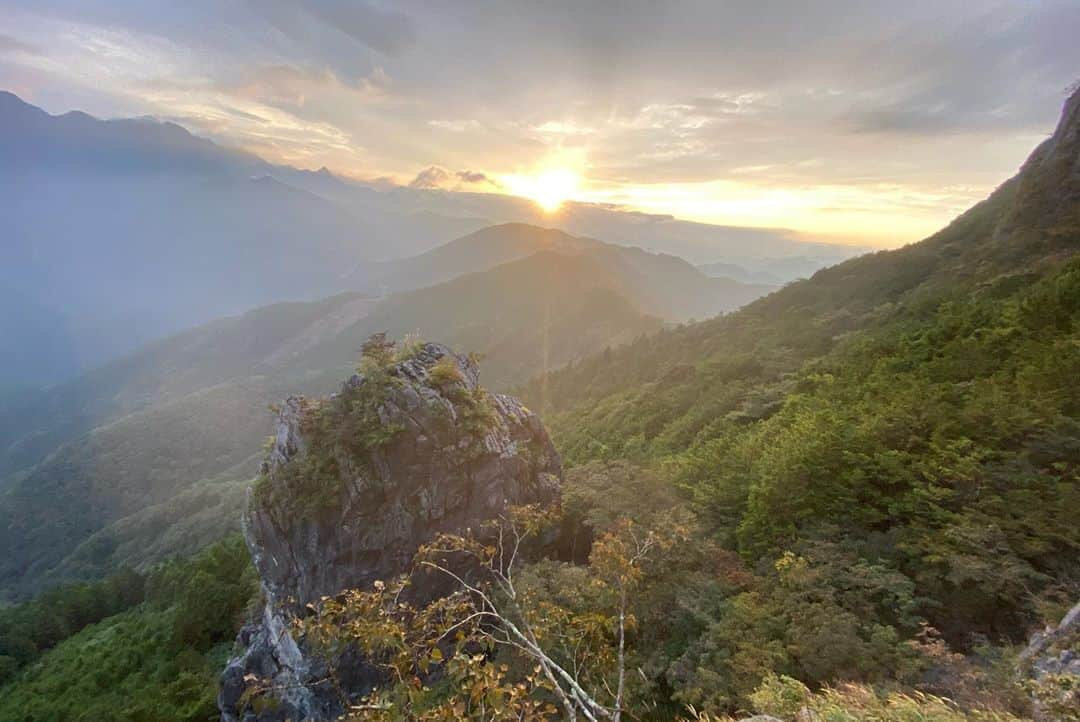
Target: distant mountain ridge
point(100, 212)
point(663, 284)
point(644, 290)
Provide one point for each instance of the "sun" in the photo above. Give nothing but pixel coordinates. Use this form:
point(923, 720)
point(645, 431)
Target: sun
point(552, 188)
point(549, 189)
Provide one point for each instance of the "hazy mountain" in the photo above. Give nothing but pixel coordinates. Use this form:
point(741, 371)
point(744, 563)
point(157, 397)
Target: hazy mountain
point(476, 251)
point(664, 284)
point(775, 271)
point(124, 442)
point(100, 212)
point(735, 271)
point(655, 285)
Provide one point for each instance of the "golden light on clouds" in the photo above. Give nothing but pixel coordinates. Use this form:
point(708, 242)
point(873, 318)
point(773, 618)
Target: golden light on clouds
point(795, 130)
point(873, 214)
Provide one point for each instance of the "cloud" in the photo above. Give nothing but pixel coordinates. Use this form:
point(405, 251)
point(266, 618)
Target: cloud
point(474, 177)
point(906, 120)
point(456, 126)
point(436, 177)
point(287, 85)
point(385, 31)
point(431, 177)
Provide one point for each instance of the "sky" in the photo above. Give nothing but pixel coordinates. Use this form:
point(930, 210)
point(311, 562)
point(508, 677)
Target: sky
point(853, 121)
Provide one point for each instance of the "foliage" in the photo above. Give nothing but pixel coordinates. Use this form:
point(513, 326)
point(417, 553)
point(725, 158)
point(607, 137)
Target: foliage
point(27, 630)
point(340, 430)
point(789, 699)
point(432, 658)
point(891, 448)
point(955, 437)
point(1058, 696)
point(377, 354)
point(511, 641)
point(157, 661)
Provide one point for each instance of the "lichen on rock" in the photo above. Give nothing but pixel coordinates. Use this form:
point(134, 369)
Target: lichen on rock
point(352, 485)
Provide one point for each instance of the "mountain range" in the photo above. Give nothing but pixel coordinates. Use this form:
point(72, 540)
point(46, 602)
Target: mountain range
point(98, 212)
point(140, 431)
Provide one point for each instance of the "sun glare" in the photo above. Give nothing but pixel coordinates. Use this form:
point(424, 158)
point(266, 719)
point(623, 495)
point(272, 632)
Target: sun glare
point(549, 189)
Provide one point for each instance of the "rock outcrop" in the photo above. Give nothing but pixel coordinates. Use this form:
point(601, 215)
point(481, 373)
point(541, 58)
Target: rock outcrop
point(1051, 663)
point(351, 487)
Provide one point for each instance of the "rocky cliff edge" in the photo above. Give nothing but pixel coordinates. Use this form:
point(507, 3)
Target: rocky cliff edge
point(351, 486)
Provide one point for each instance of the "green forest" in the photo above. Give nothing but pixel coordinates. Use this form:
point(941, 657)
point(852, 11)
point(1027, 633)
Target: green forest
point(132, 647)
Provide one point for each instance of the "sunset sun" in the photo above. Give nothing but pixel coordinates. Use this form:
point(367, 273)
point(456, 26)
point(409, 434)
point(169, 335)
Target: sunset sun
point(549, 189)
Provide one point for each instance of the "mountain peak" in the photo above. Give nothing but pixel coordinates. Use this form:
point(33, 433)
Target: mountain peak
point(1048, 185)
point(1070, 116)
point(7, 98)
point(12, 106)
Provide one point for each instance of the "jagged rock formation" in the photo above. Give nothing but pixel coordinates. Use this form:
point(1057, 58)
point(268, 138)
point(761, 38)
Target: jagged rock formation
point(352, 486)
point(1051, 662)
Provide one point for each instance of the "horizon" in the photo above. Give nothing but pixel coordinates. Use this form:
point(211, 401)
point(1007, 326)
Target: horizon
point(741, 117)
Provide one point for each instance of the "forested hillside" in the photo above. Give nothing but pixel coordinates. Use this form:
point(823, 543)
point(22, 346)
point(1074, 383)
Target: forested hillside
point(1026, 229)
point(151, 451)
point(890, 446)
point(131, 647)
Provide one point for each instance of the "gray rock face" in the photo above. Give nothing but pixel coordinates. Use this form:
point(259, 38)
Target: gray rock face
point(1051, 658)
point(450, 464)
